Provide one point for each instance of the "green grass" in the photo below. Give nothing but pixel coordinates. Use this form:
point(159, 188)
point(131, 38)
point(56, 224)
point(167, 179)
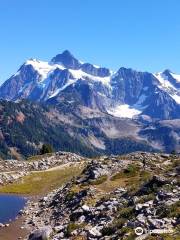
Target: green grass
point(170, 211)
point(42, 182)
point(117, 176)
point(100, 180)
point(131, 178)
point(145, 176)
point(39, 157)
point(146, 198)
point(132, 170)
point(126, 212)
point(73, 226)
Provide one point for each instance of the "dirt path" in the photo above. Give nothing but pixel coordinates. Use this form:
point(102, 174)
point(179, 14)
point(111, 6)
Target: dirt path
point(59, 167)
point(14, 231)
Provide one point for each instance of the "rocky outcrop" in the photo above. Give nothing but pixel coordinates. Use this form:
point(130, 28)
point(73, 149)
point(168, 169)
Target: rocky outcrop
point(67, 60)
point(41, 234)
point(12, 170)
point(80, 209)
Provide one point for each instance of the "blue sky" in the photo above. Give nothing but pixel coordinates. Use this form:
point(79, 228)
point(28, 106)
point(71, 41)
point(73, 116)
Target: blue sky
point(141, 34)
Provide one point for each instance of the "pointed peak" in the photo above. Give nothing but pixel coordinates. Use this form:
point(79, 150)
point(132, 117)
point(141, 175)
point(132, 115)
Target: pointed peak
point(67, 59)
point(167, 72)
point(67, 53)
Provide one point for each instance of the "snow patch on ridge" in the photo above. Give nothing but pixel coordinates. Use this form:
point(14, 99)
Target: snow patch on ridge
point(79, 74)
point(124, 111)
point(57, 91)
point(168, 87)
point(16, 74)
point(43, 68)
point(140, 101)
point(176, 76)
point(176, 98)
point(96, 66)
point(164, 82)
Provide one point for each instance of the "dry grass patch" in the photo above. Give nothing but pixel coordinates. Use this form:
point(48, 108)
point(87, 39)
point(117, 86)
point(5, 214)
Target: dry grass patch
point(130, 178)
point(110, 185)
point(42, 182)
point(39, 157)
point(100, 180)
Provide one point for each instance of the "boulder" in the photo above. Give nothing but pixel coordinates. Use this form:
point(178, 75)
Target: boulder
point(43, 233)
point(94, 232)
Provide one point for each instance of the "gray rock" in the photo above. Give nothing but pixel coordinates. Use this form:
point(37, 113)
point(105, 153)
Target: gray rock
point(43, 233)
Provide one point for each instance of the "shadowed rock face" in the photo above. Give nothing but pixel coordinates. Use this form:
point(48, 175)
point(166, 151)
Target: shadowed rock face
point(67, 60)
point(129, 85)
point(167, 74)
point(66, 78)
point(19, 86)
point(95, 71)
point(80, 104)
point(162, 106)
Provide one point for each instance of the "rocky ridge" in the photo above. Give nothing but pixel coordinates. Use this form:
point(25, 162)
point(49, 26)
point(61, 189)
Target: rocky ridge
point(12, 170)
point(125, 93)
point(110, 199)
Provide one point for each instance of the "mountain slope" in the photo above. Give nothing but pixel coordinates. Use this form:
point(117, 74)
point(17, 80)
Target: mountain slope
point(125, 93)
point(87, 109)
point(26, 126)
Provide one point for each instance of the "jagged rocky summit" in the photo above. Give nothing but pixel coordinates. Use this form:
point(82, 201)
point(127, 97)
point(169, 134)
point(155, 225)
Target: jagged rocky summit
point(125, 94)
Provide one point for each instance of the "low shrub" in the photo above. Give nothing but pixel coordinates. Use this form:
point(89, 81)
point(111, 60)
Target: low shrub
point(71, 227)
point(127, 212)
point(100, 180)
point(131, 170)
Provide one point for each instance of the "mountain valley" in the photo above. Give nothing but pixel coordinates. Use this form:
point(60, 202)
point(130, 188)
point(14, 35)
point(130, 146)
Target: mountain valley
point(87, 109)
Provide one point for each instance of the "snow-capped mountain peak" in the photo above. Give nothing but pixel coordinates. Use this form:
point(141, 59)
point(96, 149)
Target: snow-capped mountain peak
point(170, 83)
point(125, 93)
point(43, 68)
point(67, 60)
